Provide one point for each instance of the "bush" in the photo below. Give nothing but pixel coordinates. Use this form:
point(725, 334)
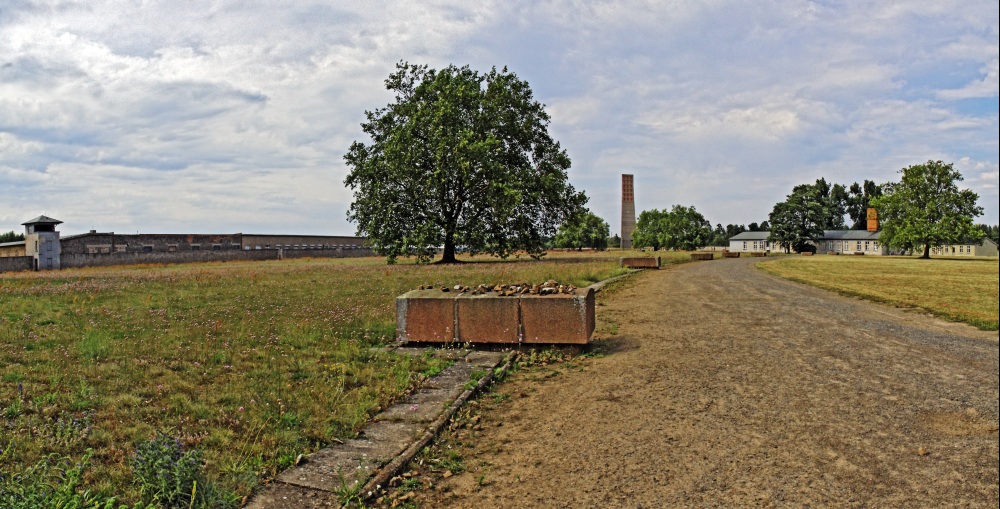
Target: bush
point(169, 476)
point(52, 482)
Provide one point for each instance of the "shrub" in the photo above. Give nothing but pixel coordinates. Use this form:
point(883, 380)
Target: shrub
point(52, 482)
point(171, 477)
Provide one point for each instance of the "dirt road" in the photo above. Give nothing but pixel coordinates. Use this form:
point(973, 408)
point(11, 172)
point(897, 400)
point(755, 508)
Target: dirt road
point(722, 386)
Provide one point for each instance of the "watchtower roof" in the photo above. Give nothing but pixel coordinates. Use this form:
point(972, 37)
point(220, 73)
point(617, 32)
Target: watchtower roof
point(42, 220)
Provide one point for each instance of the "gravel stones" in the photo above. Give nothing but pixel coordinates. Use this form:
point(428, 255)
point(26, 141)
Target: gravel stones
point(550, 287)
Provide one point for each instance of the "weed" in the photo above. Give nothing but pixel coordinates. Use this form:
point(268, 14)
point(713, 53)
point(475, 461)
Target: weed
point(54, 481)
point(170, 476)
point(500, 397)
point(453, 462)
point(410, 484)
point(349, 494)
point(481, 481)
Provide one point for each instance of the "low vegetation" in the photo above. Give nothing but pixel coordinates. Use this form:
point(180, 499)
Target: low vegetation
point(115, 375)
point(960, 290)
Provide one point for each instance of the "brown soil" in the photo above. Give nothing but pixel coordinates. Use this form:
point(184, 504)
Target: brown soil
point(715, 385)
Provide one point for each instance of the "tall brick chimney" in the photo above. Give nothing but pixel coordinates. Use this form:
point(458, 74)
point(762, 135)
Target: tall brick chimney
point(872, 220)
point(628, 211)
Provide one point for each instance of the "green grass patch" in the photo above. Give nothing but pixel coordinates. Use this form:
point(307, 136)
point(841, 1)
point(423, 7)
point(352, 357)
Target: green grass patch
point(958, 290)
point(248, 363)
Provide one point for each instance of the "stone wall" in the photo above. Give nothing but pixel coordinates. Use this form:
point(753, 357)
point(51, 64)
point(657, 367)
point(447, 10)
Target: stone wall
point(15, 263)
point(106, 243)
point(254, 241)
point(13, 249)
point(127, 258)
point(189, 256)
point(337, 252)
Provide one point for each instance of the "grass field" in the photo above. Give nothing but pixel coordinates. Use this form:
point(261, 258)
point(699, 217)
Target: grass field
point(250, 363)
point(959, 290)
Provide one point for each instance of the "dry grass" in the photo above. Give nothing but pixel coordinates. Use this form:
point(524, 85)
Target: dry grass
point(960, 290)
point(253, 363)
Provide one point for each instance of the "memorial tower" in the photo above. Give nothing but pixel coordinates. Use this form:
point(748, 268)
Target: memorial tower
point(628, 211)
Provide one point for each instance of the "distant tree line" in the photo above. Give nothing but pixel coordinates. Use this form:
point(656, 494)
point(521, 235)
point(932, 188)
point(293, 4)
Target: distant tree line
point(584, 230)
point(923, 210)
point(991, 232)
point(721, 235)
point(11, 237)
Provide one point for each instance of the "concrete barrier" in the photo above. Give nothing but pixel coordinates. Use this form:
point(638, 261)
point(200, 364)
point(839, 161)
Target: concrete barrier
point(562, 319)
point(486, 319)
point(433, 316)
point(640, 262)
point(426, 315)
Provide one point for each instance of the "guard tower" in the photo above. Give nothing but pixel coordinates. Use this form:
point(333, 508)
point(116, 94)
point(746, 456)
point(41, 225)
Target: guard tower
point(41, 242)
point(628, 211)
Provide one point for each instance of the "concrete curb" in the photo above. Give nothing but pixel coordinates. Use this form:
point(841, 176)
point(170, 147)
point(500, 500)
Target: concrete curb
point(387, 472)
point(357, 468)
point(600, 284)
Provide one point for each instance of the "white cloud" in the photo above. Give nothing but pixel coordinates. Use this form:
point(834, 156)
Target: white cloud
point(236, 115)
point(988, 86)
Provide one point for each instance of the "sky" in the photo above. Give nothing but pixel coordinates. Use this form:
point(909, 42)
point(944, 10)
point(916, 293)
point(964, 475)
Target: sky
point(234, 116)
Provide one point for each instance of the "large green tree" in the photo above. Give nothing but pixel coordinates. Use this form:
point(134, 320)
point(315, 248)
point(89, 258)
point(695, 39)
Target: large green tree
point(926, 208)
point(458, 159)
point(859, 200)
point(799, 221)
point(681, 227)
point(583, 230)
point(834, 198)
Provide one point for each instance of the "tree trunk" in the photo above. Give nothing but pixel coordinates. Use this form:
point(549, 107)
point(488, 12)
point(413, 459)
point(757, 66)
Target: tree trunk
point(449, 250)
point(927, 250)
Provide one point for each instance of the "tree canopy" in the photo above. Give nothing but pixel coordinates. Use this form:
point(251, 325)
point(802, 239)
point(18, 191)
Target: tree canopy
point(681, 227)
point(926, 208)
point(458, 159)
point(799, 221)
point(583, 230)
point(859, 200)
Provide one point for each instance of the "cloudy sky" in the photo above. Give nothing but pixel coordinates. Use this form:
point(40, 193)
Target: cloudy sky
point(233, 116)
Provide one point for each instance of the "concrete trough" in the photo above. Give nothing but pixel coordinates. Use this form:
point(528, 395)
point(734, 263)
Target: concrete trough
point(702, 256)
point(433, 316)
point(640, 262)
point(730, 254)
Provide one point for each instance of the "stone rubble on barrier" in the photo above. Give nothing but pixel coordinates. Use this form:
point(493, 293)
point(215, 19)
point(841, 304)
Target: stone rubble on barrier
point(550, 287)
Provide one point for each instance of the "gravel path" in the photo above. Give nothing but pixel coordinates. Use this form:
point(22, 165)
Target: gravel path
point(722, 386)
